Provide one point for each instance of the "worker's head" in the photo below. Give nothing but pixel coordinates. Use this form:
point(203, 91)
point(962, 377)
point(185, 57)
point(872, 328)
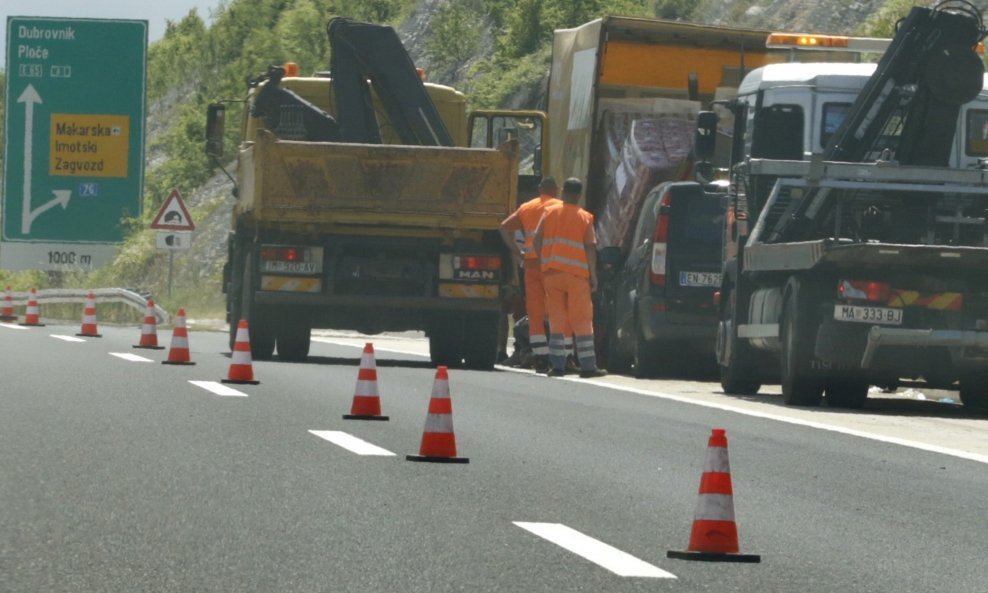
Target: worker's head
point(572, 190)
point(548, 186)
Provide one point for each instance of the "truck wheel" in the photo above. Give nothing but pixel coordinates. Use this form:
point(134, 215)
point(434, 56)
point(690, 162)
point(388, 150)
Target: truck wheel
point(617, 357)
point(847, 393)
point(974, 390)
point(293, 339)
point(480, 341)
point(259, 324)
point(645, 357)
point(798, 387)
point(446, 341)
point(737, 376)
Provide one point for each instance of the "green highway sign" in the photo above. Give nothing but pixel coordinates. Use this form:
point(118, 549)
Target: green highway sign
point(74, 150)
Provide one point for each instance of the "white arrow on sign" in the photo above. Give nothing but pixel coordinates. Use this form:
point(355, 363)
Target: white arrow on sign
point(29, 97)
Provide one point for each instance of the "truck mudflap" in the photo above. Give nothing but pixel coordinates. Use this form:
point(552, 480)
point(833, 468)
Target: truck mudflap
point(960, 340)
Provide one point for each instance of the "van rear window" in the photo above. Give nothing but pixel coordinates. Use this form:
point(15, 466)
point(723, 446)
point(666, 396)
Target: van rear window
point(698, 221)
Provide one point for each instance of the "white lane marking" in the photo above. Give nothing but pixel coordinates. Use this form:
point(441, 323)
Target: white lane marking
point(958, 453)
point(351, 443)
point(800, 422)
point(12, 326)
point(601, 554)
point(130, 357)
point(67, 338)
point(218, 388)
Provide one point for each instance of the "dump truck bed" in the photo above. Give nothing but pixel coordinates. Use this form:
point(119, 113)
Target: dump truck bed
point(325, 185)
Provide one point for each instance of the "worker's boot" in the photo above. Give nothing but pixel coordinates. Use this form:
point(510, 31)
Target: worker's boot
point(541, 364)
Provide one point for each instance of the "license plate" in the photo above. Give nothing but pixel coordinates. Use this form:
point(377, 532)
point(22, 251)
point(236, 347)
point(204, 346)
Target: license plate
point(699, 279)
point(879, 315)
point(284, 267)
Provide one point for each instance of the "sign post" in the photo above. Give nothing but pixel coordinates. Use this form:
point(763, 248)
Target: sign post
point(74, 150)
point(174, 225)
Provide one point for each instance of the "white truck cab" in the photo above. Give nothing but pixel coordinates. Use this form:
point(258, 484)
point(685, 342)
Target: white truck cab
point(810, 101)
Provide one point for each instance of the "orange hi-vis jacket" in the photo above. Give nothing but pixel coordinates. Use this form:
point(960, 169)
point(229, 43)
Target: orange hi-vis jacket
point(564, 229)
point(530, 213)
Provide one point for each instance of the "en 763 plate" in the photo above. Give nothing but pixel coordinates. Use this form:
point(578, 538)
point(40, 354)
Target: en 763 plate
point(699, 279)
point(879, 315)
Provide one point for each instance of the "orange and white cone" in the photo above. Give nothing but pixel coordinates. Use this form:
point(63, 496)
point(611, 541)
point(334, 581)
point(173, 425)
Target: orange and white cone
point(7, 310)
point(366, 400)
point(89, 329)
point(715, 534)
point(241, 369)
point(438, 440)
point(149, 330)
point(178, 352)
point(32, 315)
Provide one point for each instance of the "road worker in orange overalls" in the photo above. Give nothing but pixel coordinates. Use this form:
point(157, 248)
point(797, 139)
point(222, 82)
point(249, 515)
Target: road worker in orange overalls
point(525, 219)
point(567, 247)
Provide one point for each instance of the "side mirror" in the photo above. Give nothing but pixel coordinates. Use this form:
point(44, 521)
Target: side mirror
point(706, 135)
point(215, 127)
point(537, 157)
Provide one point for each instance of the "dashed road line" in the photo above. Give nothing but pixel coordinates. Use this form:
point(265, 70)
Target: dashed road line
point(12, 326)
point(130, 357)
point(596, 551)
point(218, 389)
point(351, 443)
point(725, 407)
point(67, 338)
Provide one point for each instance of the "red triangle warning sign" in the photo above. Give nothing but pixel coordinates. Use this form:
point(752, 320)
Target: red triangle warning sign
point(173, 215)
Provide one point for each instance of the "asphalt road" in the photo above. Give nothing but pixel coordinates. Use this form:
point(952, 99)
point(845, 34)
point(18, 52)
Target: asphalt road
point(122, 476)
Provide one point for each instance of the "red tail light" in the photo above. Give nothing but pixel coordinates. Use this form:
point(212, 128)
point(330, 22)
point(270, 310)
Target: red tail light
point(660, 240)
point(477, 262)
point(865, 290)
point(285, 254)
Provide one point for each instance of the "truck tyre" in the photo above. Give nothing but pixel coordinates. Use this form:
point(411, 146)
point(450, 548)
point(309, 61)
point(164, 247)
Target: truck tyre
point(799, 388)
point(259, 322)
point(974, 390)
point(616, 358)
point(446, 341)
point(738, 376)
point(646, 356)
point(293, 339)
point(480, 341)
point(847, 393)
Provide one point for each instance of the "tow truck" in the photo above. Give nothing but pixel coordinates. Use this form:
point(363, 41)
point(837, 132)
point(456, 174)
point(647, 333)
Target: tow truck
point(856, 231)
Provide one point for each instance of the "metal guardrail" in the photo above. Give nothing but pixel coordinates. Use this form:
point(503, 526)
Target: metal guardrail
point(105, 295)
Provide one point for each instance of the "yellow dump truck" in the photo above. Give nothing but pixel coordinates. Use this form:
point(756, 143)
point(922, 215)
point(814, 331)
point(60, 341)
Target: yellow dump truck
point(377, 235)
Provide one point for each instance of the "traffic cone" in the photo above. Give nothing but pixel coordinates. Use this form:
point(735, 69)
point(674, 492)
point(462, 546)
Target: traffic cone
point(7, 311)
point(438, 440)
point(241, 370)
point(715, 534)
point(32, 315)
point(178, 353)
point(89, 329)
point(149, 330)
point(366, 401)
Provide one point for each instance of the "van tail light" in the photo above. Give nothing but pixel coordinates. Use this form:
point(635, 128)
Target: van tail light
point(660, 242)
point(864, 290)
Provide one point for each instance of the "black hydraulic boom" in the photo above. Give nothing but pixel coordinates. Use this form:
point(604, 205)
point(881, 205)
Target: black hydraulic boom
point(363, 51)
point(907, 111)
